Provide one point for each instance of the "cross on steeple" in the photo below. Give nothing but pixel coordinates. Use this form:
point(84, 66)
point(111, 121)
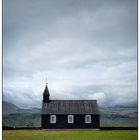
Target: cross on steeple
point(46, 81)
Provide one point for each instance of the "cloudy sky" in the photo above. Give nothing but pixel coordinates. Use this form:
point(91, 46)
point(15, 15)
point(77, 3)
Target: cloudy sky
point(87, 49)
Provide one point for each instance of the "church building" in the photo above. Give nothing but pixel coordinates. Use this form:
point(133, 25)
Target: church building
point(69, 114)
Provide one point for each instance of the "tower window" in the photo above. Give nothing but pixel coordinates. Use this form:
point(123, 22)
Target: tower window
point(87, 118)
point(70, 118)
point(53, 119)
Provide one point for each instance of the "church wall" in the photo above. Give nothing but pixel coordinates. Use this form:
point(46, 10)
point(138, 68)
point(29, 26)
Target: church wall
point(62, 122)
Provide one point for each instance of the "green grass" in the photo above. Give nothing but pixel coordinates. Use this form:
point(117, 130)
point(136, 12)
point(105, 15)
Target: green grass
point(69, 135)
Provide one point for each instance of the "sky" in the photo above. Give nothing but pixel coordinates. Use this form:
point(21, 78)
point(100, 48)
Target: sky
point(84, 49)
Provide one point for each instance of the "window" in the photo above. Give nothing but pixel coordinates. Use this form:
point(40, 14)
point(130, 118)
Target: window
point(87, 118)
point(53, 119)
point(70, 118)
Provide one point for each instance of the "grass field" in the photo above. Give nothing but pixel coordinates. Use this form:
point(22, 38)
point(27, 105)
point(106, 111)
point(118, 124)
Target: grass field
point(69, 135)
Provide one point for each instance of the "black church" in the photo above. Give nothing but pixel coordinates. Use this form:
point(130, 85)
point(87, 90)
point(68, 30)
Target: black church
point(69, 114)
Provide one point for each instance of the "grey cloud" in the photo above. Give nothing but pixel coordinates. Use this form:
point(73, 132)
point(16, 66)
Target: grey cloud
point(75, 40)
point(25, 99)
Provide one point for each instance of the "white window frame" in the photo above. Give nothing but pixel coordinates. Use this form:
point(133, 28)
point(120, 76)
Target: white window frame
point(51, 120)
point(72, 119)
point(86, 118)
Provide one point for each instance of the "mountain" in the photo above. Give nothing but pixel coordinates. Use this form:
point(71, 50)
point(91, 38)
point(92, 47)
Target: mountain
point(31, 111)
point(9, 108)
point(19, 117)
point(119, 116)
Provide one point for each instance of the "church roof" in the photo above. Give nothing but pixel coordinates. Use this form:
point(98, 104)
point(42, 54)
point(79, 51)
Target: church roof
point(70, 107)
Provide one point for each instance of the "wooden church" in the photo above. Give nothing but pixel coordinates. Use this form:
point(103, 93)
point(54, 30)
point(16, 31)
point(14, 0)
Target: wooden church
point(69, 114)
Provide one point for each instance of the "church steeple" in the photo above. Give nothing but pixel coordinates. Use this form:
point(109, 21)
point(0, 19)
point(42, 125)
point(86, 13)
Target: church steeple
point(46, 94)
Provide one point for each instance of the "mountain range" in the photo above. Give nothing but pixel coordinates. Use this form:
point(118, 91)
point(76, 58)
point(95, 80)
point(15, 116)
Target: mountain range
point(10, 108)
point(109, 116)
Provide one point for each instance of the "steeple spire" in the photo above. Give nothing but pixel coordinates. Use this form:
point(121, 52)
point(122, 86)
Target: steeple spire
point(46, 91)
point(46, 94)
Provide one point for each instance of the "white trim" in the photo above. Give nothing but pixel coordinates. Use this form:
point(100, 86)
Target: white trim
point(52, 118)
point(87, 118)
point(70, 118)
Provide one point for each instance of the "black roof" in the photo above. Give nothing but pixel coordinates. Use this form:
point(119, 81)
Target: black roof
point(70, 107)
point(46, 91)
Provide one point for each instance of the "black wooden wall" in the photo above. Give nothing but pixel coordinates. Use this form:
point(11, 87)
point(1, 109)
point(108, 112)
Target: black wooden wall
point(62, 122)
